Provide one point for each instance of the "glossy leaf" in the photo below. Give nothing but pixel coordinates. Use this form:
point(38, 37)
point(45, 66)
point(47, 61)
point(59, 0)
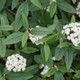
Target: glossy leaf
point(24, 38)
point(47, 52)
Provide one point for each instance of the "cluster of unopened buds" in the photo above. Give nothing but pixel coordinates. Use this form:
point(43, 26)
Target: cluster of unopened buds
point(16, 63)
point(51, 1)
point(72, 32)
point(46, 68)
point(78, 9)
point(35, 38)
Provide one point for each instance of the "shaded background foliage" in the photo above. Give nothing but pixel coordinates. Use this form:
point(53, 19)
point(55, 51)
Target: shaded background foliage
point(16, 17)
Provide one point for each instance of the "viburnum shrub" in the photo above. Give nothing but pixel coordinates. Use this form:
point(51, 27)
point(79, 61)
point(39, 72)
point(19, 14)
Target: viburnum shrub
point(39, 39)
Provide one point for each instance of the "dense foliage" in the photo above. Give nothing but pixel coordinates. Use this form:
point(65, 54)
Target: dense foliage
point(39, 40)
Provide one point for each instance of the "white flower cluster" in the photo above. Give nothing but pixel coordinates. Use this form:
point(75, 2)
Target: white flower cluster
point(78, 9)
point(45, 70)
point(51, 1)
point(16, 63)
point(72, 32)
point(35, 38)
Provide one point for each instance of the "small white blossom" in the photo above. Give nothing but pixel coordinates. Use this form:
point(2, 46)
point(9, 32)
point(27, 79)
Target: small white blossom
point(16, 63)
point(56, 67)
point(45, 70)
point(35, 38)
point(78, 9)
point(72, 32)
point(53, 58)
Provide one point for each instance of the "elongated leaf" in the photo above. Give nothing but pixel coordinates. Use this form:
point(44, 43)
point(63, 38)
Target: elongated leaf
point(73, 19)
point(22, 8)
point(2, 48)
point(24, 38)
point(74, 1)
point(68, 58)
point(2, 3)
point(25, 21)
point(64, 69)
point(47, 52)
point(29, 50)
point(6, 28)
point(53, 8)
point(49, 39)
point(19, 76)
point(14, 38)
point(37, 3)
point(41, 31)
point(14, 4)
point(66, 7)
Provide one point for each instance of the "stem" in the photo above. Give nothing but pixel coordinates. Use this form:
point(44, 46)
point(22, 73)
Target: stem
point(10, 11)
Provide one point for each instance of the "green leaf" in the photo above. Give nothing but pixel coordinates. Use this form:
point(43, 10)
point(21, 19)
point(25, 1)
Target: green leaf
point(19, 76)
point(59, 53)
point(50, 72)
point(2, 3)
point(63, 44)
point(41, 31)
point(22, 8)
point(6, 28)
point(77, 74)
point(64, 69)
point(73, 19)
point(58, 76)
point(14, 38)
point(24, 38)
point(37, 3)
point(32, 69)
point(1, 76)
point(2, 48)
point(29, 50)
point(47, 52)
point(25, 21)
point(17, 23)
point(74, 1)
point(76, 47)
point(49, 39)
point(52, 9)
point(68, 58)
point(14, 3)
point(66, 7)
